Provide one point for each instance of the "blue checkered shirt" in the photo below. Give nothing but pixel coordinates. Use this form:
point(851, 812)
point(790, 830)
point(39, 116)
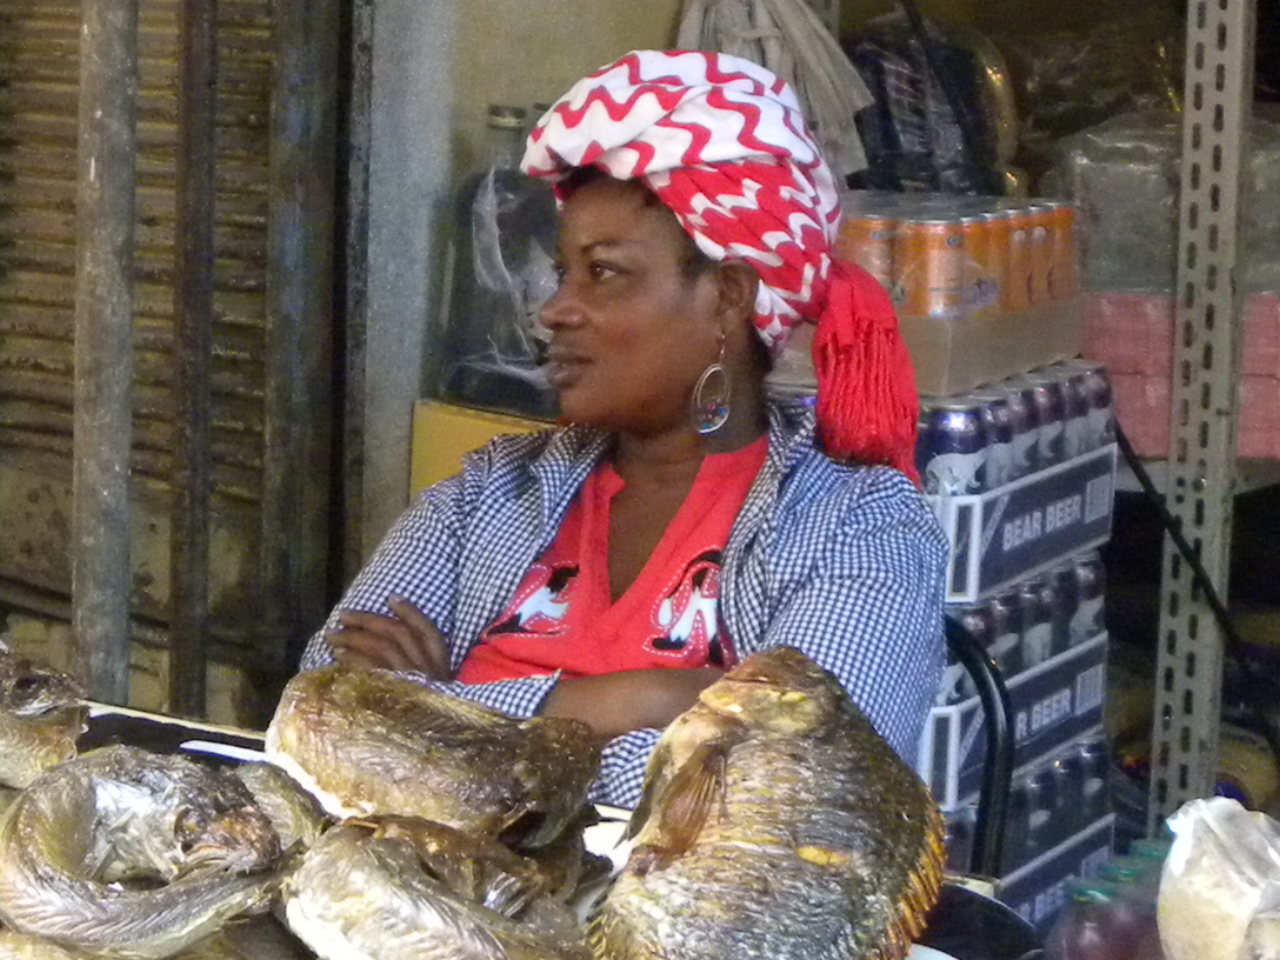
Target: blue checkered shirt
point(845, 563)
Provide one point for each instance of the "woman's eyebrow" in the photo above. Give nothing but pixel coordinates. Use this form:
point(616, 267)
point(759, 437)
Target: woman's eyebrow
point(596, 246)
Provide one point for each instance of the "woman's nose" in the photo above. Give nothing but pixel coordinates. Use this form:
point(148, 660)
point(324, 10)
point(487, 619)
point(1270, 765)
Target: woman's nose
point(563, 309)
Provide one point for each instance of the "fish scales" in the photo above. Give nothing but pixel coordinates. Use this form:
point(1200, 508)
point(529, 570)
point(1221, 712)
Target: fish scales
point(400, 889)
point(810, 838)
point(370, 742)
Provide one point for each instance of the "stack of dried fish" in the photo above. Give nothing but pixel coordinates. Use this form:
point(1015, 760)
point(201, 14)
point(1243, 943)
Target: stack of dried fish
point(465, 788)
point(774, 824)
point(125, 852)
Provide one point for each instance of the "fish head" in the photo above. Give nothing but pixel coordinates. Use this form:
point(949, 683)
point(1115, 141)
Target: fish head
point(239, 840)
point(34, 691)
point(780, 690)
point(42, 714)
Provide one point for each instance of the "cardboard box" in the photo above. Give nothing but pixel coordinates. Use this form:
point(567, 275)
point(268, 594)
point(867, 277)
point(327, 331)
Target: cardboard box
point(954, 355)
point(443, 433)
point(1038, 890)
point(1053, 703)
point(1010, 533)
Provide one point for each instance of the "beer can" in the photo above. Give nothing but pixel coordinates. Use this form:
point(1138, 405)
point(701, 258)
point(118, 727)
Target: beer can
point(976, 622)
point(961, 826)
point(1025, 418)
point(1097, 391)
point(1066, 601)
point(1006, 632)
point(1017, 291)
point(930, 264)
point(1064, 278)
point(1096, 758)
point(1038, 603)
point(1050, 403)
point(1069, 773)
point(867, 240)
point(1040, 250)
point(952, 447)
point(1089, 618)
point(1017, 822)
point(994, 266)
point(1075, 400)
point(999, 427)
point(981, 292)
point(1042, 813)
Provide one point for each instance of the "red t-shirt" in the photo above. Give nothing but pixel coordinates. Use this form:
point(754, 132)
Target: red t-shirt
point(563, 618)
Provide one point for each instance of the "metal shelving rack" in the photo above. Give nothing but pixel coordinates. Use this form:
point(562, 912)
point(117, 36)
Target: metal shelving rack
point(1202, 478)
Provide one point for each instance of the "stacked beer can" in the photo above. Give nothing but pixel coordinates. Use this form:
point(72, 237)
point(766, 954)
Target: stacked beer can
point(1032, 454)
point(980, 441)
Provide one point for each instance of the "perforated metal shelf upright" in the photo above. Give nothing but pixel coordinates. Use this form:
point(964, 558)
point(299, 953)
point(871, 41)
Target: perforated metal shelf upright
point(1202, 463)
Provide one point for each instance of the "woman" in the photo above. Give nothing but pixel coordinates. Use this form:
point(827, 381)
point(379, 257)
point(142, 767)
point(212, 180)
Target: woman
point(611, 569)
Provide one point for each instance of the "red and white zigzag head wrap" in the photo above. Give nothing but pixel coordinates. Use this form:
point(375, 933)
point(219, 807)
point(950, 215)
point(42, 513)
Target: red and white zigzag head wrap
point(722, 142)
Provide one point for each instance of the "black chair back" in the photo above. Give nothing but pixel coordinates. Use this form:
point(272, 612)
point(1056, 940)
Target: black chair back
point(997, 768)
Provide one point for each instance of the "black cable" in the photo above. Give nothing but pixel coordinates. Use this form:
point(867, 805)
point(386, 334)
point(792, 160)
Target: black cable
point(983, 177)
point(1255, 689)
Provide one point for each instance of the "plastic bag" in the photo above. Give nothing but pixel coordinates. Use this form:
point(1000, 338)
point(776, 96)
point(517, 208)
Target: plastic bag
point(1068, 80)
point(913, 138)
point(502, 278)
point(1123, 176)
point(1220, 890)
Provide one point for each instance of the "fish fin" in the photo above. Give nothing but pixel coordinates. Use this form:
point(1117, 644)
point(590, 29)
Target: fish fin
point(653, 783)
point(924, 886)
point(509, 895)
point(687, 801)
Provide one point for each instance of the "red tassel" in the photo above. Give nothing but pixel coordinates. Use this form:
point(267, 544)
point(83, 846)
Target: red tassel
point(867, 399)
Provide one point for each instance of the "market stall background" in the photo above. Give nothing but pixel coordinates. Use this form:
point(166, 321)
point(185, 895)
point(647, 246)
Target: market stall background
point(313, 383)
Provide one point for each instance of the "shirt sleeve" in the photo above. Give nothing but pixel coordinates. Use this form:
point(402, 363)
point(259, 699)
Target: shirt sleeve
point(622, 769)
point(870, 605)
point(418, 560)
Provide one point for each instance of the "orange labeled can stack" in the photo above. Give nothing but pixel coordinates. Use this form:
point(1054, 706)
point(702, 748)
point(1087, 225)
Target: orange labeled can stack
point(930, 268)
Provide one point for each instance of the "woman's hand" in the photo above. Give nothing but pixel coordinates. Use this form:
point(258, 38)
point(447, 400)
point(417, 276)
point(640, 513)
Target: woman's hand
point(408, 641)
point(616, 703)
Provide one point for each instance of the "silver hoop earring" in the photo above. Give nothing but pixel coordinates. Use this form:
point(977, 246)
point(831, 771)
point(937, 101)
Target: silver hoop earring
point(709, 405)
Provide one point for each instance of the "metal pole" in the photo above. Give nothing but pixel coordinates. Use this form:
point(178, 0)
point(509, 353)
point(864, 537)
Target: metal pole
point(1206, 378)
point(193, 309)
point(101, 580)
point(299, 375)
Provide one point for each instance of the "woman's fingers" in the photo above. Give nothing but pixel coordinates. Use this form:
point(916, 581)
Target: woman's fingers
point(352, 656)
point(369, 649)
point(430, 641)
point(381, 635)
point(408, 641)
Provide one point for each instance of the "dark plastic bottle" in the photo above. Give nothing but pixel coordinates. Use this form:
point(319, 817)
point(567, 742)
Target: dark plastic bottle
point(1137, 886)
point(1086, 930)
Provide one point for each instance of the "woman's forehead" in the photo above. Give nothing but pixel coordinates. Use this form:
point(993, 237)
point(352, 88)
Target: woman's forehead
point(616, 213)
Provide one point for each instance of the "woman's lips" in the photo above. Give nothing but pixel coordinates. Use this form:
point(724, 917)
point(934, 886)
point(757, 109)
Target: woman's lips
point(563, 368)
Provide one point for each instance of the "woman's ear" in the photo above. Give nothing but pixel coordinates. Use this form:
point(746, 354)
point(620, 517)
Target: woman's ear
point(737, 290)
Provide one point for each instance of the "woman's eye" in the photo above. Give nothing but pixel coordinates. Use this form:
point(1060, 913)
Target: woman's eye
point(559, 271)
point(602, 271)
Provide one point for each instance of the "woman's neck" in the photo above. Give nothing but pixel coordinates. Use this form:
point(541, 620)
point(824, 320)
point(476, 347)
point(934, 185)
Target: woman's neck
point(676, 454)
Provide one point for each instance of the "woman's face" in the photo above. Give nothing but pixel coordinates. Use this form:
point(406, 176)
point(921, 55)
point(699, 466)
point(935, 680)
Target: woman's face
point(632, 329)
